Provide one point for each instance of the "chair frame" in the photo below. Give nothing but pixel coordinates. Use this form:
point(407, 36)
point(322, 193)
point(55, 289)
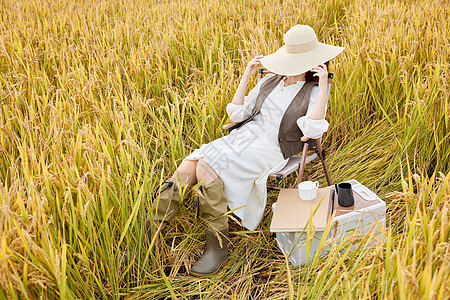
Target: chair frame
point(319, 150)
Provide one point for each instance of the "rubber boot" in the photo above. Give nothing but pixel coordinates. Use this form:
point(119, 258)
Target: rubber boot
point(165, 209)
point(215, 256)
point(213, 206)
point(168, 205)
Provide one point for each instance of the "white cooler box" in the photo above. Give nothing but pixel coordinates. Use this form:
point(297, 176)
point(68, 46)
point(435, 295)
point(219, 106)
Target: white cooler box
point(370, 220)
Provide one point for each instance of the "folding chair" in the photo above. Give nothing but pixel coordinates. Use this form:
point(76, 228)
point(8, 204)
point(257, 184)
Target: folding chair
point(295, 161)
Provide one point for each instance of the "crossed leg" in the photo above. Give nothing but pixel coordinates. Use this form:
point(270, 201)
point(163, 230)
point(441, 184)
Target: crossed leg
point(192, 171)
point(204, 172)
point(186, 173)
point(213, 203)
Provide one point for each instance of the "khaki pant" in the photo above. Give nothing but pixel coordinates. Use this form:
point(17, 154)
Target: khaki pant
point(212, 204)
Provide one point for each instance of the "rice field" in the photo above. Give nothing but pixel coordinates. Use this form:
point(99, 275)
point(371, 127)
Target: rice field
point(101, 100)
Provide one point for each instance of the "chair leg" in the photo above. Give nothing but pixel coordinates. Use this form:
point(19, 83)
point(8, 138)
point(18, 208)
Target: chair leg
point(272, 187)
point(324, 165)
point(302, 164)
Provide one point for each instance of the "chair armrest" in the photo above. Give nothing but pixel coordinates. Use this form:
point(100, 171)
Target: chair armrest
point(232, 125)
point(313, 143)
point(229, 125)
point(304, 138)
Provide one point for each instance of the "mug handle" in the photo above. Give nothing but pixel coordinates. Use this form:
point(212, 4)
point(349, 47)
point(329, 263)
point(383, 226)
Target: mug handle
point(317, 184)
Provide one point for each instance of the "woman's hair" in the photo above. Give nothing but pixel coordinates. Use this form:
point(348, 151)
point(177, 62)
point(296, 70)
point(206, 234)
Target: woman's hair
point(309, 75)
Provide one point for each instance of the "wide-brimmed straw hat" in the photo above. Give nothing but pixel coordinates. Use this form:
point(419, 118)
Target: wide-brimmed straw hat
point(301, 52)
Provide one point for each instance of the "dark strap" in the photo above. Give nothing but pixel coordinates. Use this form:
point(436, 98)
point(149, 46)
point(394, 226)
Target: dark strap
point(264, 91)
point(170, 183)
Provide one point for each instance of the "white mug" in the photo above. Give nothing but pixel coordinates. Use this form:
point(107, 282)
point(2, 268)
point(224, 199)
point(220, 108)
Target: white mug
point(307, 190)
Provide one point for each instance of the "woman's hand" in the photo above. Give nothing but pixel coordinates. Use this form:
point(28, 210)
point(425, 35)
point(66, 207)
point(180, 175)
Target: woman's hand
point(253, 66)
point(321, 72)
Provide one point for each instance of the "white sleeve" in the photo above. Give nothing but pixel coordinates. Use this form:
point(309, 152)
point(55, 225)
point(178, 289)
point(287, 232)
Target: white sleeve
point(240, 112)
point(313, 128)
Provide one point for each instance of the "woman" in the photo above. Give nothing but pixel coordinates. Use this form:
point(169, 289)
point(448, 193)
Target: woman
point(233, 169)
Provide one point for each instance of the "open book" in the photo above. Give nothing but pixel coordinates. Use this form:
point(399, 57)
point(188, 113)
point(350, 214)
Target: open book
point(292, 214)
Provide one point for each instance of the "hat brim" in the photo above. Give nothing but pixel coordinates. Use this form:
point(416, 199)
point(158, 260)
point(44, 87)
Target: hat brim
point(291, 64)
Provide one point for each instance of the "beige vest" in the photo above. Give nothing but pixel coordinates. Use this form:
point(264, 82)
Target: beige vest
point(289, 134)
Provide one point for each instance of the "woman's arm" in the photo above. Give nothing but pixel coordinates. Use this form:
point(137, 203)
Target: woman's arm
point(251, 69)
point(318, 112)
point(238, 98)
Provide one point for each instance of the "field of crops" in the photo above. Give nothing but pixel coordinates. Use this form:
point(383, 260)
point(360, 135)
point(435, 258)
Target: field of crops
point(101, 100)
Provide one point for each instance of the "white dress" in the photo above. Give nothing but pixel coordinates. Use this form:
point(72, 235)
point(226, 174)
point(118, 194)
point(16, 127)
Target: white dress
point(244, 158)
